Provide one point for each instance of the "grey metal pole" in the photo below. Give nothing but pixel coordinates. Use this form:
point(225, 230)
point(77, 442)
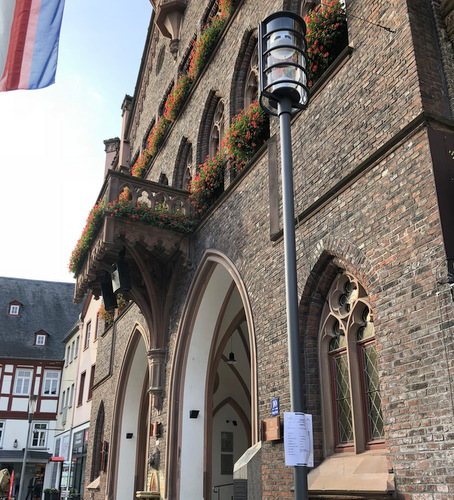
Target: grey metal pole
point(24, 461)
point(291, 287)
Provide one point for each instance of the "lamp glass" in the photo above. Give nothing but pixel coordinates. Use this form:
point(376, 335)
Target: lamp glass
point(283, 61)
point(32, 402)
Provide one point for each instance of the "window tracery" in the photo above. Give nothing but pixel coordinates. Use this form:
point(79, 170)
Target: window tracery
point(217, 129)
point(352, 415)
point(251, 88)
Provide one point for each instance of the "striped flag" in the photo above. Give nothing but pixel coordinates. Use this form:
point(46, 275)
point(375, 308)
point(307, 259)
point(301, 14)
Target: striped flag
point(29, 36)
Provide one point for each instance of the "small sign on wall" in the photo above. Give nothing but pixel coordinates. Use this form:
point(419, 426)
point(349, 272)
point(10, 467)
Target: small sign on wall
point(271, 429)
point(275, 407)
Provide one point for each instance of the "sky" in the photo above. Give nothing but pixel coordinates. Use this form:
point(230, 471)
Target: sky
point(52, 154)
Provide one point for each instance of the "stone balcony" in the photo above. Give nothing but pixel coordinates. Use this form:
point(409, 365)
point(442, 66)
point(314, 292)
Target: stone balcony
point(152, 253)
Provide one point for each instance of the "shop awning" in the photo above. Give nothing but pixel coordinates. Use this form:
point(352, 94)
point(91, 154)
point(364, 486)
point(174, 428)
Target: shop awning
point(18, 456)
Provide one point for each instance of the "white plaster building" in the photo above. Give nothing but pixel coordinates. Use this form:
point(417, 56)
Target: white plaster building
point(75, 401)
point(34, 318)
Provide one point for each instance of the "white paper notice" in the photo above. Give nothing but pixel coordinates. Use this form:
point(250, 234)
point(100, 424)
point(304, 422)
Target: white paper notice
point(298, 439)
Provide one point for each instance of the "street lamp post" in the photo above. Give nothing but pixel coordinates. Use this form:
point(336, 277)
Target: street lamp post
point(31, 410)
point(283, 92)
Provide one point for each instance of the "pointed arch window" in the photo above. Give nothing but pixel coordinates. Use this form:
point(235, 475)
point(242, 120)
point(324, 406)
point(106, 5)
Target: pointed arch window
point(251, 88)
point(244, 88)
point(210, 11)
point(163, 179)
point(187, 169)
point(99, 460)
point(217, 129)
point(183, 170)
point(352, 416)
point(308, 5)
point(211, 129)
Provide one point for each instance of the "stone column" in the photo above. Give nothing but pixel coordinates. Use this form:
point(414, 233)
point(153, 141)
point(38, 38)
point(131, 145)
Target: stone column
point(156, 361)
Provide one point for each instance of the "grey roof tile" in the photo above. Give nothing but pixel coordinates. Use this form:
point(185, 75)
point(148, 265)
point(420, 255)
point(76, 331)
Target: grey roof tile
point(46, 305)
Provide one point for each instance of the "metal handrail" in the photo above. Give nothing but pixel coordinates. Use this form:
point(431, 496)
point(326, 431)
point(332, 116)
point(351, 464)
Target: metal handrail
point(220, 486)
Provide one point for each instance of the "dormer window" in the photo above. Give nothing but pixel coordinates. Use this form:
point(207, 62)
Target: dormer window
point(40, 338)
point(14, 308)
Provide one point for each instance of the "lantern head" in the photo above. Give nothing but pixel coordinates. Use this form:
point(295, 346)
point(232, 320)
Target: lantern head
point(283, 61)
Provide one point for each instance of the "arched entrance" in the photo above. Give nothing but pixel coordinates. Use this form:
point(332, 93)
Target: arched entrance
point(230, 390)
point(129, 432)
point(217, 321)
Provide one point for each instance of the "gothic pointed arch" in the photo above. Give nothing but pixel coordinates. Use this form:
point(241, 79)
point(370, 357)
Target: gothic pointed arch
point(210, 11)
point(147, 134)
point(291, 5)
point(340, 366)
point(216, 319)
point(335, 255)
point(351, 397)
point(161, 107)
point(183, 170)
point(183, 67)
point(306, 6)
point(244, 88)
point(163, 179)
point(131, 416)
point(99, 458)
point(211, 129)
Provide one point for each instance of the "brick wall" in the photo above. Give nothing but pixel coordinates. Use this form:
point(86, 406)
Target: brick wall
point(365, 190)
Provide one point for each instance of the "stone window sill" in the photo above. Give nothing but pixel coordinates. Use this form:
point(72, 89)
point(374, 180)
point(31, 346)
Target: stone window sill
point(348, 475)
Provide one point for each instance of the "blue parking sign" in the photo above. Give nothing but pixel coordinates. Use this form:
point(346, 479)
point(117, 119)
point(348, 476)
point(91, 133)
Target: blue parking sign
point(275, 407)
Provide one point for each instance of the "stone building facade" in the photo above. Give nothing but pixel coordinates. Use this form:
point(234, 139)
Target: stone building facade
point(172, 416)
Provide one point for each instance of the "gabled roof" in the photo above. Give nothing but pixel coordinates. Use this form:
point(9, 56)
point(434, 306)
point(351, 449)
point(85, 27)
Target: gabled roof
point(45, 305)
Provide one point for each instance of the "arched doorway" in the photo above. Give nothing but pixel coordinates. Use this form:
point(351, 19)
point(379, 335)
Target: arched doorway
point(230, 390)
point(129, 433)
point(213, 408)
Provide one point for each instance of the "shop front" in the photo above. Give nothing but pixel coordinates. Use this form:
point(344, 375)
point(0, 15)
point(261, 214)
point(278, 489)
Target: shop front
point(35, 470)
point(78, 459)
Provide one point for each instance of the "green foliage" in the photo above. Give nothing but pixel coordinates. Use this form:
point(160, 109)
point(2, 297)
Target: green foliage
point(326, 36)
point(198, 58)
point(89, 232)
point(108, 316)
point(248, 132)
point(123, 208)
point(177, 97)
point(208, 182)
point(201, 49)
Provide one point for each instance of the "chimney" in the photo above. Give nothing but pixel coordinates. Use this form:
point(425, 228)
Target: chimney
point(111, 148)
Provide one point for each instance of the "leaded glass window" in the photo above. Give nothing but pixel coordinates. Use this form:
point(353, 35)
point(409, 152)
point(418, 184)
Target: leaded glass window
point(350, 381)
point(343, 399)
point(371, 379)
